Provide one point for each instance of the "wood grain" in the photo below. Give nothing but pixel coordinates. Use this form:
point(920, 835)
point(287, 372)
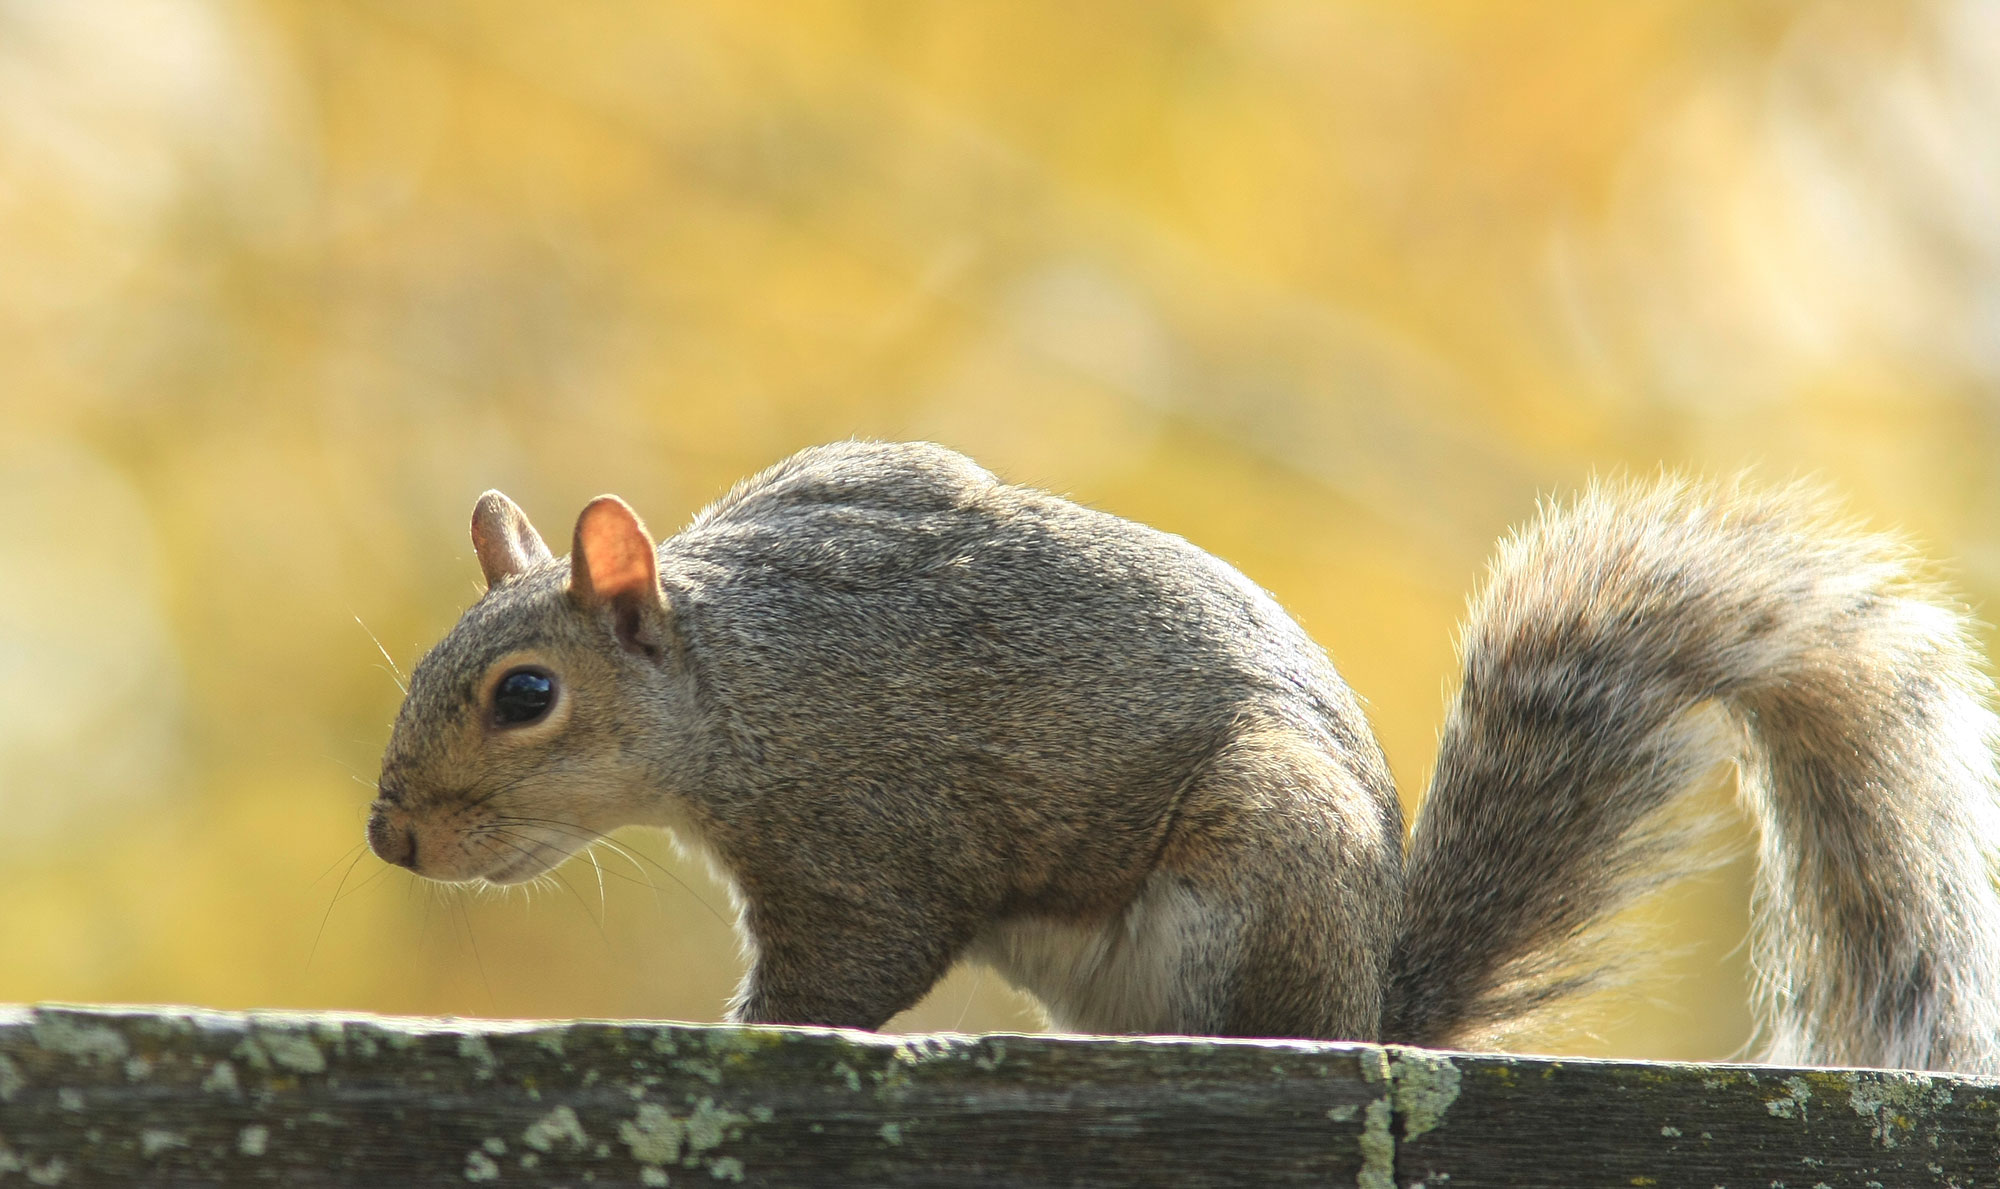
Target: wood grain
point(93, 1096)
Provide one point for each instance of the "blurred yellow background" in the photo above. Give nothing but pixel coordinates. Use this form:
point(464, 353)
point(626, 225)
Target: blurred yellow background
point(1333, 289)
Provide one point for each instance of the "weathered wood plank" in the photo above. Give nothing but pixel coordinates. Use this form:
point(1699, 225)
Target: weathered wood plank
point(179, 1097)
point(1575, 1122)
point(173, 1096)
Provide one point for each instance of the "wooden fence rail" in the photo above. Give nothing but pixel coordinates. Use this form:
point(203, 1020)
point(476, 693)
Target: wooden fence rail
point(129, 1096)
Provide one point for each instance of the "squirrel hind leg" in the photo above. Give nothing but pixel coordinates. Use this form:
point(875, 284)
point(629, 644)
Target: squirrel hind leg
point(1155, 967)
point(1269, 912)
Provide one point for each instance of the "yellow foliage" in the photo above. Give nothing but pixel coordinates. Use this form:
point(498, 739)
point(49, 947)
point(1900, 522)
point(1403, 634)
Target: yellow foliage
point(1333, 289)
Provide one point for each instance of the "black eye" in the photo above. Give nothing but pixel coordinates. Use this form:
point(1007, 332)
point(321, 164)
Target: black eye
point(523, 696)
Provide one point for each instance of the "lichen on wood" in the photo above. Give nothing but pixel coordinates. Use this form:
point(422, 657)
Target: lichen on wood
point(93, 1096)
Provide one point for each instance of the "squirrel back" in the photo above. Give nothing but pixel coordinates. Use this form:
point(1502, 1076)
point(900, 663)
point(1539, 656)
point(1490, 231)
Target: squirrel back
point(916, 715)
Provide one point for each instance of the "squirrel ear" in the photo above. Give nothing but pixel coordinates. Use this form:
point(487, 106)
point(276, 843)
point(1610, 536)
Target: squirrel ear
point(504, 540)
point(613, 565)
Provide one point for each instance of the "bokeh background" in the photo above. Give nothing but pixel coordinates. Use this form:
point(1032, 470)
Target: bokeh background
point(1334, 289)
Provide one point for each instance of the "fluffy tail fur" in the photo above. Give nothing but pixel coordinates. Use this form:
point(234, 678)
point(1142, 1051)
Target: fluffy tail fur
point(1623, 647)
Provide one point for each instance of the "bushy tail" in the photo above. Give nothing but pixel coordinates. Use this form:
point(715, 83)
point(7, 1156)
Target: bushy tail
point(1626, 645)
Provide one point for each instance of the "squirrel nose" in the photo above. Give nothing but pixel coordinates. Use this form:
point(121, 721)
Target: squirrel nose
point(391, 842)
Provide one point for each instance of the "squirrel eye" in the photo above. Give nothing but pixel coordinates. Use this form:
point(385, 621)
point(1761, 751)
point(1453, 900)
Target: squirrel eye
point(523, 696)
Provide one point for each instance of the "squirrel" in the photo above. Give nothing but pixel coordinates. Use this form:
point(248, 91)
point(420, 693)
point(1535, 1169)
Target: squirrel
point(916, 715)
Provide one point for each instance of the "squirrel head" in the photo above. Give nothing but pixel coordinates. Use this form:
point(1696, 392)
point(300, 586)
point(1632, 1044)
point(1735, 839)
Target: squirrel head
point(513, 748)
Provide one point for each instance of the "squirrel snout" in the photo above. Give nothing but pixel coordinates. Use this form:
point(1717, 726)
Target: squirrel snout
point(391, 841)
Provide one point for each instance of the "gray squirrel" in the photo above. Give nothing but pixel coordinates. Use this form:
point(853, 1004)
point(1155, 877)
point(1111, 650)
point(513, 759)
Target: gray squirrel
point(916, 715)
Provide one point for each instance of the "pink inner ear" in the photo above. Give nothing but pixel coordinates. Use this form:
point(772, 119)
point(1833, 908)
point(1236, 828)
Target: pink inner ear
point(616, 552)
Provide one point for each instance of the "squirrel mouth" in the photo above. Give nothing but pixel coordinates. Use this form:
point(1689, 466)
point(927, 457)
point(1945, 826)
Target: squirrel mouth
point(525, 867)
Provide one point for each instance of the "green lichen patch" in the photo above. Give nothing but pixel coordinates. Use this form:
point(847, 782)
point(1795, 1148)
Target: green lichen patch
point(222, 1079)
point(559, 1126)
point(745, 1041)
point(710, 1125)
point(653, 1134)
point(1898, 1106)
point(1378, 1148)
point(155, 1140)
point(1426, 1086)
point(707, 1071)
point(293, 1050)
point(61, 1034)
point(481, 1167)
point(473, 1047)
point(251, 1053)
point(1792, 1104)
point(657, 1137)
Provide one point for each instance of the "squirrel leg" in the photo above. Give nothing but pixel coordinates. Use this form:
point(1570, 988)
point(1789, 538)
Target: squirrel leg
point(1160, 965)
point(830, 961)
point(1269, 911)
point(1300, 853)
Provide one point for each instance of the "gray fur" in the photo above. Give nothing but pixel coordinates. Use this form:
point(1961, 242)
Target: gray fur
point(1609, 633)
point(917, 715)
